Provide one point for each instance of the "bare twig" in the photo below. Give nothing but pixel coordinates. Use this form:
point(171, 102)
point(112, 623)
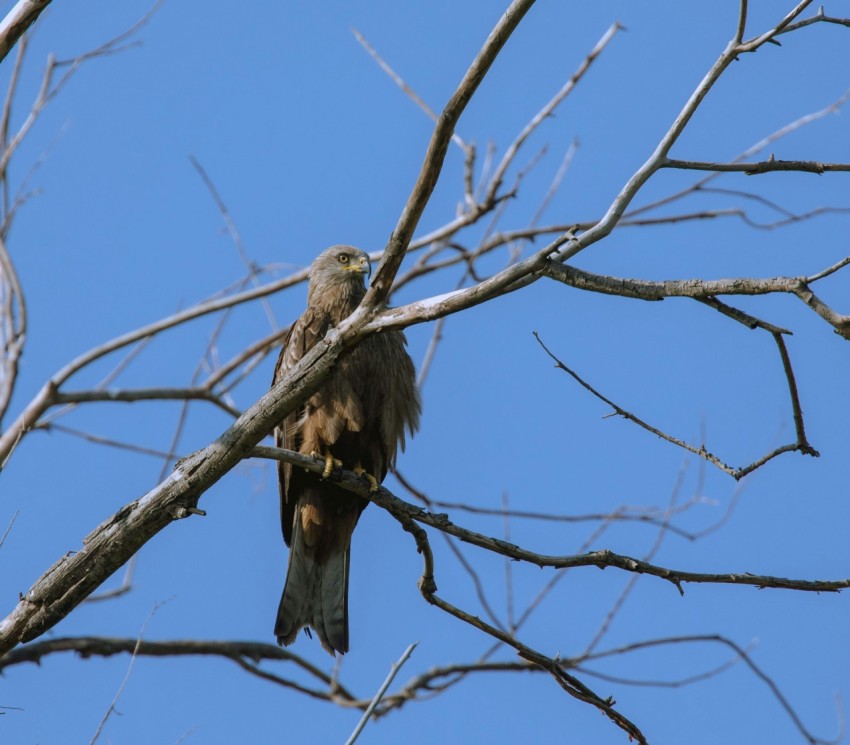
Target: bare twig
point(408, 91)
point(259, 349)
point(547, 111)
point(396, 666)
point(801, 445)
point(11, 92)
point(651, 516)
point(567, 682)
point(631, 584)
point(234, 235)
point(476, 582)
point(13, 327)
point(144, 394)
point(8, 528)
point(741, 653)
point(768, 36)
point(509, 578)
point(109, 442)
point(120, 690)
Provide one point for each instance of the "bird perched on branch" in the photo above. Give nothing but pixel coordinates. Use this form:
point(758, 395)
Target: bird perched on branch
point(356, 420)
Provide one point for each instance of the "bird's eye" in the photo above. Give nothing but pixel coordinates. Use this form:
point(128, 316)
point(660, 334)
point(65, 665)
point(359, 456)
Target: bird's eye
point(343, 258)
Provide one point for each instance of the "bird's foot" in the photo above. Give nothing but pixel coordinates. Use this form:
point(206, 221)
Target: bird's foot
point(373, 482)
point(330, 462)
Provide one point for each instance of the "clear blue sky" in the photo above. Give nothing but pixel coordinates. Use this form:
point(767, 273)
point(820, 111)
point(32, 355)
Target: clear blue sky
point(310, 144)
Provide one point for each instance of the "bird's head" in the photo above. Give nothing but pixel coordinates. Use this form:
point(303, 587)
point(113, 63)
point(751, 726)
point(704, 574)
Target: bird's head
point(342, 268)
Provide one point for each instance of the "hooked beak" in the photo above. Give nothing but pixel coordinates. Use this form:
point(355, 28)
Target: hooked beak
point(363, 266)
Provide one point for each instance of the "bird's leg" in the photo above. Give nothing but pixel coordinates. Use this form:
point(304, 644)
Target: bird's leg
point(373, 482)
point(330, 462)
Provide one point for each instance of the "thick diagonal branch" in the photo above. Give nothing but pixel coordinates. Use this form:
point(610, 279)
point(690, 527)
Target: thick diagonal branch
point(436, 153)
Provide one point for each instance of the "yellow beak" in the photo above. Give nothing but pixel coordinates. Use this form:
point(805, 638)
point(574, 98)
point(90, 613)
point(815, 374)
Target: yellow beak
point(363, 266)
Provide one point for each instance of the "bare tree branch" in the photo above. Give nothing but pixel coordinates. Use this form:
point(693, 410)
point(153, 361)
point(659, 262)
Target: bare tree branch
point(234, 234)
point(120, 690)
point(247, 655)
point(601, 559)
point(408, 91)
point(17, 21)
point(567, 682)
point(700, 289)
point(802, 445)
point(435, 155)
point(91, 646)
point(770, 165)
point(741, 653)
point(547, 111)
point(144, 394)
point(380, 694)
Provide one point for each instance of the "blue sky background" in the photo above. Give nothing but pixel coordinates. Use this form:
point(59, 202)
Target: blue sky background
point(310, 144)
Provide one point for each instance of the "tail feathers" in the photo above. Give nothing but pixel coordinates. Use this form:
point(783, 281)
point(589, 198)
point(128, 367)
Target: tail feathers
point(315, 595)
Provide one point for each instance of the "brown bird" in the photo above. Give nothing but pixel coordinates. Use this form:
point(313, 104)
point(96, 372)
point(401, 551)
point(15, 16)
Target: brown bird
point(356, 420)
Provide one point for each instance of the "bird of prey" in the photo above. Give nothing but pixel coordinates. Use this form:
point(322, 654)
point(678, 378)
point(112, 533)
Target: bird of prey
point(356, 420)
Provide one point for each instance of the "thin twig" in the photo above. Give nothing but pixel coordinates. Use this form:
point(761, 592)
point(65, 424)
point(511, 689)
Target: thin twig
point(380, 693)
point(567, 682)
point(120, 690)
point(548, 109)
point(234, 235)
point(408, 91)
point(736, 473)
point(9, 528)
point(109, 442)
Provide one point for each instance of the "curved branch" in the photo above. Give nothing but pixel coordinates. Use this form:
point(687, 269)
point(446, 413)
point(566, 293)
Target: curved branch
point(569, 683)
point(602, 559)
point(238, 651)
point(802, 445)
point(248, 654)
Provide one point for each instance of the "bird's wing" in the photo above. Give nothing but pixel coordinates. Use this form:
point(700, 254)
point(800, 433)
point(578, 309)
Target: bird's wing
point(302, 337)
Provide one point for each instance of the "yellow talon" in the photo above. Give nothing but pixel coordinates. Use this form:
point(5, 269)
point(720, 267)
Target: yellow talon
point(373, 482)
point(330, 463)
